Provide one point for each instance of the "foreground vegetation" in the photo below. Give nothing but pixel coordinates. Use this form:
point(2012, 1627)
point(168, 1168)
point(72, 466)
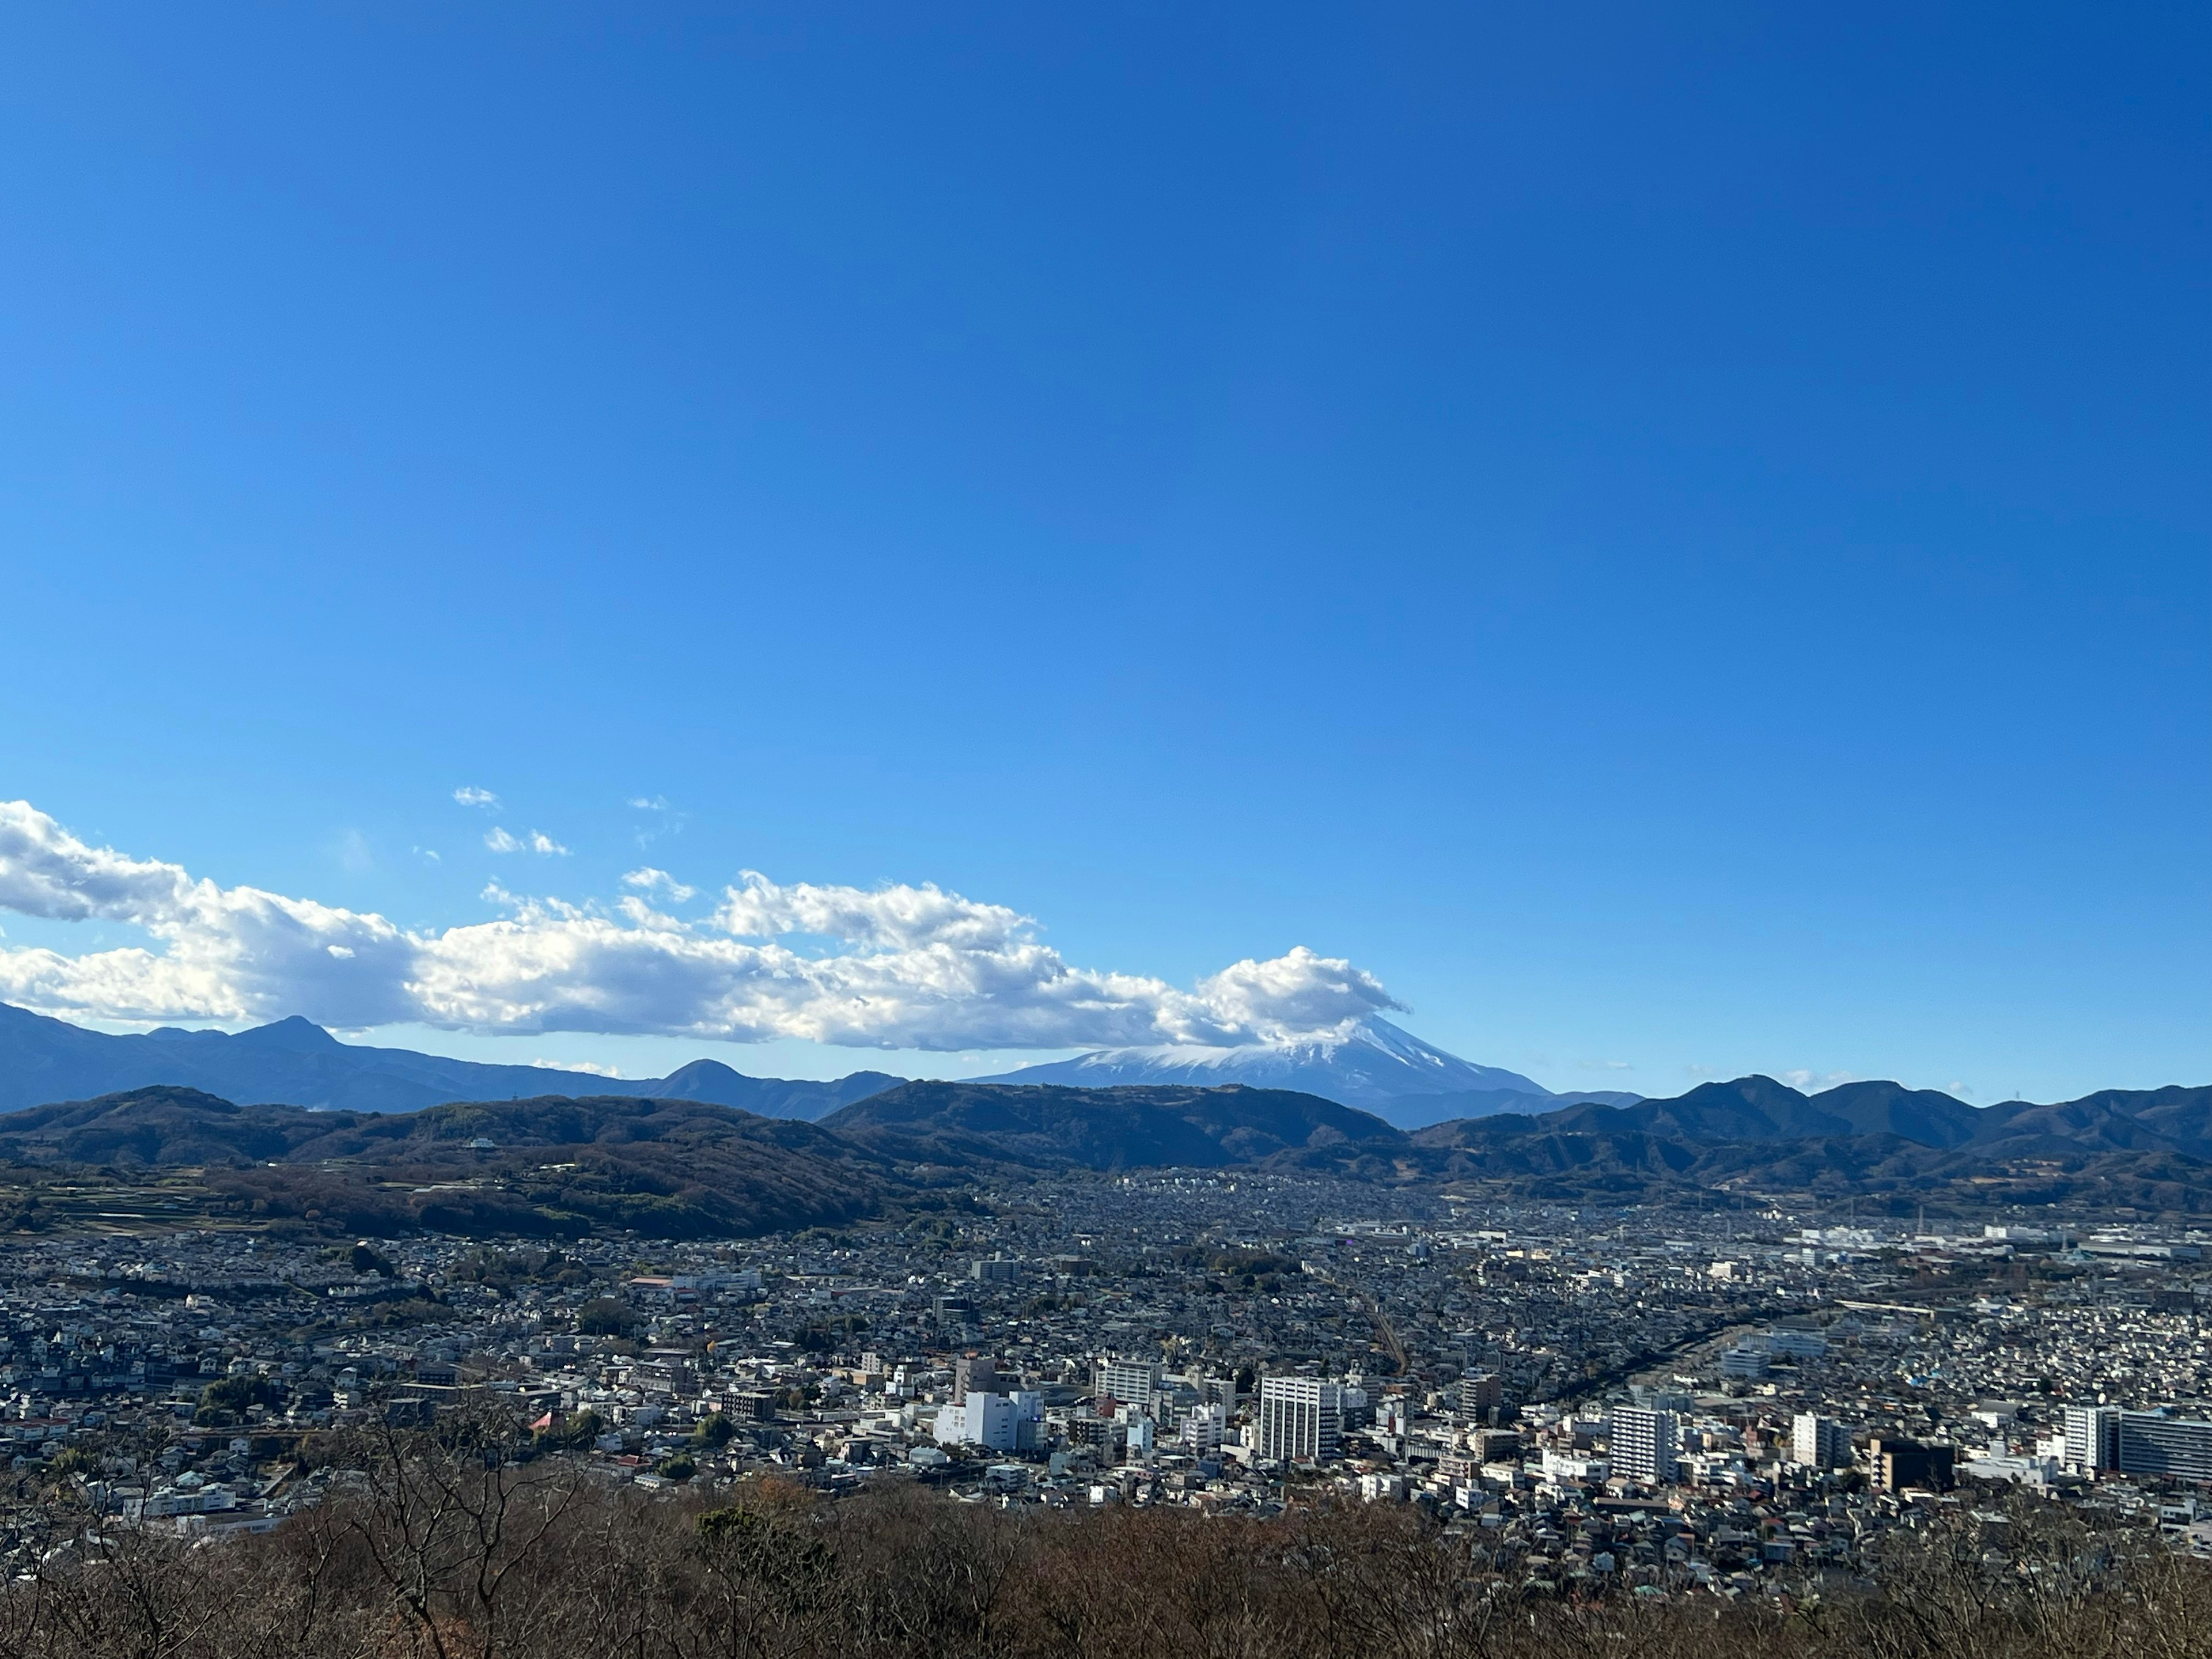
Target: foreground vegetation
point(466, 1546)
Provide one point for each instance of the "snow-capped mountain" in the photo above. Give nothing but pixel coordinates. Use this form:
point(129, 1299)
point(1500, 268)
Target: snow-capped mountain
point(1375, 1066)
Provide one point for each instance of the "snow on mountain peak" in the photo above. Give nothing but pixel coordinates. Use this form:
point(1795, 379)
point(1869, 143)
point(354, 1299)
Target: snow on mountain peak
point(1368, 1063)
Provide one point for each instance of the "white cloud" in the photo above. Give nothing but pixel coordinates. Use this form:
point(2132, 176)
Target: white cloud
point(534, 842)
point(592, 1066)
point(899, 966)
point(469, 795)
point(650, 880)
point(667, 820)
point(1812, 1083)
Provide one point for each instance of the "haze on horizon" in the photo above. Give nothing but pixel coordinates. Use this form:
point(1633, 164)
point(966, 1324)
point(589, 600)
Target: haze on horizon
point(1640, 548)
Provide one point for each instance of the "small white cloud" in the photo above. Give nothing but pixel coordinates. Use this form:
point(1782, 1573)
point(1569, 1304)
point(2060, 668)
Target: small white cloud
point(1812, 1083)
point(650, 880)
point(534, 842)
point(428, 855)
point(590, 1066)
point(469, 795)
point(667, 820)
point(353, 852)
point(1962, 1090)
point(1702, 1071)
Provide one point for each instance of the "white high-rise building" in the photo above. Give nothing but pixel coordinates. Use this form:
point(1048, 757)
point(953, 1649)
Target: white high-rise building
point(1301, 1418)
point(1820, 1442)
point(1644, 1445)
point(2093, 1437)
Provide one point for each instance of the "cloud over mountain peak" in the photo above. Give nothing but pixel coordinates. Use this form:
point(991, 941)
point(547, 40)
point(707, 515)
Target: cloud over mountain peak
point(901, 966)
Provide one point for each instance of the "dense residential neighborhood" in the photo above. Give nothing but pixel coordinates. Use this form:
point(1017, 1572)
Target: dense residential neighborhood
point(1724, 1402)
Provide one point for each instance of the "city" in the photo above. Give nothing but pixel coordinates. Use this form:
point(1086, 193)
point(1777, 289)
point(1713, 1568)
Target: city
point(1140, 832)
point(1728, 1403)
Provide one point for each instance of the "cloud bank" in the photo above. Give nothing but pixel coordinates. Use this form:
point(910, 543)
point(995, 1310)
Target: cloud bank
point(901, 967)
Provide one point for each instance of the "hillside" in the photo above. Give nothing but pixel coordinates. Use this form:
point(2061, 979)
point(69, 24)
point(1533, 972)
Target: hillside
point(552, 1166)
point(1045, 1127)
point(294, 1062)
point(2149, 1149)
point(560, 1166)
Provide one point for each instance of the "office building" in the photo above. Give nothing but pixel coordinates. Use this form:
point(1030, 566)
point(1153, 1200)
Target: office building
point(1644, 1445)
point(1300, 1420)
point(2178, 1448)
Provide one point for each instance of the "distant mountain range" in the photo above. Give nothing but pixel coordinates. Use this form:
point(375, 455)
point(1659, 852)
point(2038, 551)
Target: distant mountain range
point(1377, 1067)
point(295, 1062)
point(1374, 1066)
point(2149, 1149)
point(552, 1165)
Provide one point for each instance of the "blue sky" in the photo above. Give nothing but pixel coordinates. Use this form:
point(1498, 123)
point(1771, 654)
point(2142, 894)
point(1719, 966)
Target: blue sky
point(1675, 541)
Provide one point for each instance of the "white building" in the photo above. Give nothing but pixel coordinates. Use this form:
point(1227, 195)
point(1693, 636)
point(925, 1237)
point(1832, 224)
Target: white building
point(1130, 1382)
point(1820, 1442)
point(1202, 1428)
point(1644, 1445)
point(1300, 1420)
point(2093, 1438)
point(1795, 1344)
point(1560, 1465)
point(1744, 1363)
point(997, 1422)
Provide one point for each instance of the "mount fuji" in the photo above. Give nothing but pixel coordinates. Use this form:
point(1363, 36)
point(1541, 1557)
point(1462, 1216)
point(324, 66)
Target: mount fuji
point(1374, 1066)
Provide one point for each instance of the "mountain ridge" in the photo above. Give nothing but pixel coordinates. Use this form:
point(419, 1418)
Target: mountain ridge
point(554, 1165)
point(295, 1062)
point(1048, 1125)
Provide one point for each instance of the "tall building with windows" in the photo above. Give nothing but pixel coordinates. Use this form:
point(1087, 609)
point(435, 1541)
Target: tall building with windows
point(2093, 1438)
point(1644, 1445)
point(975, 1373)
point(1480, 1393)
point(1820, 1442)
point(1300, 1420)
point(1131, 1381)
point(2152, 1443)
